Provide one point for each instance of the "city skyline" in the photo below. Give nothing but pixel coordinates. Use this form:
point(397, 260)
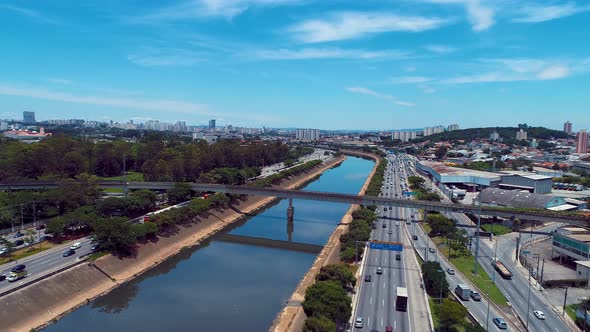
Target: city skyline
point(347, 66)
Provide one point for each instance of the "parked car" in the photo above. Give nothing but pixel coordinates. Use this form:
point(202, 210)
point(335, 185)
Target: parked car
point(539, 314)
point(431, 250)
point(3, 251)
point(390, 232)
point(450, 271)
point(19, 242)
point(18, 234)
point(76, 245)
point(69, 252)
point(475, 296)
point(45, 237)
point(500, 323)
point(18, 268)
point(39, 227)
point(398, 257)
point(384, 225)
point(389, 329)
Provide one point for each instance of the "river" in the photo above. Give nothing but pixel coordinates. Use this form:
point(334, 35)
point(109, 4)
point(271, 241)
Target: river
point(222, 286)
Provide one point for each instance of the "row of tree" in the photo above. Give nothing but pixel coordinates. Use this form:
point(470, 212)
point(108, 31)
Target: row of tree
point(374, 187)
point(327, 303)
point(417, 184)
point(275, 179)
point(444, 227)
point(358, 230)
point(159, 159)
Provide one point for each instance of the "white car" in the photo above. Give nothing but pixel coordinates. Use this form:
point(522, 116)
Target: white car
point(76, 245)
point(3, 251)
point(539, 314)
point(397, 223)
point(358, 323)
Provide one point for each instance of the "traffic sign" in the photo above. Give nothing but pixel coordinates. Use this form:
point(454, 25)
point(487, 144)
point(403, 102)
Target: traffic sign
point(525, 252)
point(393, 246)
point(409, 193)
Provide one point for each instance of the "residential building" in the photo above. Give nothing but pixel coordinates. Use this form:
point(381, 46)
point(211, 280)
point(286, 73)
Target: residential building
point(521, 135)
point(26, 134)
point(404, 136)
point(211, 124)
point(28, 117)
point(3, 125)
point(582, 142)
point(567, 127)
point(307, 134)
point(534, 144)
point(494, 136)
point(452, 127)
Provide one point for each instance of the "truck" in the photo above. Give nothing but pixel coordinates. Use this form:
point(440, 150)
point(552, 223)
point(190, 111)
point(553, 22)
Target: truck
point(501, 268)
point(401, 299)
point(463, 292)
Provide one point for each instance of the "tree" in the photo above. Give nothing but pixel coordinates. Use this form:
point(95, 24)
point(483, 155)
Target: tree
point(435, 281)
point(29, 236)
point(337, 272)
point(440, 226)
point(114, 234)
point(56, 226)
point(9, 245)
point(451, 314)
point(319, 324)
point(327, 298)
point(181, 192)
point(441, 152)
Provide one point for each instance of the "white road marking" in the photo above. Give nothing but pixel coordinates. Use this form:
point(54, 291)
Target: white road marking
point(383, 302)
point(371, 300)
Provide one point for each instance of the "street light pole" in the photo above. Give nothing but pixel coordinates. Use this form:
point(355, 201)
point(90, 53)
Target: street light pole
point(493, 281)
point(477, 235)
point(441, 284)
point(528, 303)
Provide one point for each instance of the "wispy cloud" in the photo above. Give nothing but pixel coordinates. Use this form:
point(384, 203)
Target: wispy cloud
point(198, 9)
point(480, 13)
point(411, 79)
point(35, 15)
point(369, 92)
point(59, 81)
point(352, 25)
point(440, 49)
point(538, 13)
point(163, 105)
point(156, 57)
point(328, 53)
point(553, 72)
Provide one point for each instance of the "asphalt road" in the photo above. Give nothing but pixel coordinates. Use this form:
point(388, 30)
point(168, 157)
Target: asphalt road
point(45, 262)
point(376, 302)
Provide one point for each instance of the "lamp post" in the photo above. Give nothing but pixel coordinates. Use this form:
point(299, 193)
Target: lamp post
point(528, 303)
point(441, 277)
point(493, 281)
point(477, 235)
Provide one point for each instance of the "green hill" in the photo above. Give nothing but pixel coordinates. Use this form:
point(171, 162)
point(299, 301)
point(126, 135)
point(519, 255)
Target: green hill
point(505, 132)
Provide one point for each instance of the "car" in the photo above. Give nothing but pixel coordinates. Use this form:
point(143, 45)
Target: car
point(385, 209)
point(19, 242)
point(18, 234)
point(500, 323)
point(398, 257)
point(374, 330)
point(475, 296)
point(374, 226)
point(389, 328)
point(415, 237)
point(45, 238)
point(390, 232)
point(76, 245)
point(450, 271)
point(368, 278)
point(69, 252)
point(384, 225)
point(390, 208)
point(431, 250)
point(18, 268)
point(539, 314)
point(3, 251)
point(358, 323)
point(40, 227)
point(397, 223)
point(379, 270)
point(2, 277)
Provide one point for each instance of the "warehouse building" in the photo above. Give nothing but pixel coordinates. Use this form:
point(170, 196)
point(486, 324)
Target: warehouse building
point(571, 243)
point(521, 199)
point(460, 177)
point(531, 182)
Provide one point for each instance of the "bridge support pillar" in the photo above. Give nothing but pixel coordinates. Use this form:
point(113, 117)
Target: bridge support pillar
point(290, 210)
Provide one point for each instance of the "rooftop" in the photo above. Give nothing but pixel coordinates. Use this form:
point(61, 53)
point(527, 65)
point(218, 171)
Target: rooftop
point(443, 170)
point(528, 175)
point(514, 198)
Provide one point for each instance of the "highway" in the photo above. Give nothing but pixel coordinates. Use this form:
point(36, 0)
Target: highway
point(376, 302)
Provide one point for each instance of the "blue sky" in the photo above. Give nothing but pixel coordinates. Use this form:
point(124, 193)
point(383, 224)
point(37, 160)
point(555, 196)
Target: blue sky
point(371, 64)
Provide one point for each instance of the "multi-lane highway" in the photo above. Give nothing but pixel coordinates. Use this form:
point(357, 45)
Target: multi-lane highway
point(376, 304)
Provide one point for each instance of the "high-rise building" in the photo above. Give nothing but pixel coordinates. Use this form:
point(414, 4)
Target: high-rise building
point(567, 127)
point(404, 136)
point(453, 127)
point(534, 144)
point(521, 135)
point(582, 143)
point(28, 117)
point(211, 124)
point(494, 136)
point(307, 134)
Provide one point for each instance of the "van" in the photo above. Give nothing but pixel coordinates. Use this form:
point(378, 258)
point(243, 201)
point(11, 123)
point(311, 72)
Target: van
point(76, 245)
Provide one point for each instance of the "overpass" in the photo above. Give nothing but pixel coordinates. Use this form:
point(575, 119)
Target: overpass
point(509, 213)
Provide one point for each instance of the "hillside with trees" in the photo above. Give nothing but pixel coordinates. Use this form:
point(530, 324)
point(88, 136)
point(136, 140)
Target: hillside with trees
point(505, 133)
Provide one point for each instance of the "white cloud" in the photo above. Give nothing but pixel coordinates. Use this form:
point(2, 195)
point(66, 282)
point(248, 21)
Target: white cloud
point(553, 72)
point(480, 14)
point(352, 25)
point(327, 53)
point(163, 105)
point(411, 79)
point(59, 81)
point(410, 69)
point(535, 14)
point(440, 49)
point(194, 9)
point(29, 13)
point(369, 92)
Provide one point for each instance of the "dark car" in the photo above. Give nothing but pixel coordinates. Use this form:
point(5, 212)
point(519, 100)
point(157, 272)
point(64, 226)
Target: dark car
point(18, 234)
point(45, 237)
point(415, 237)
point(368, 278)
point(398, 257)
point(39, 227)
point(390, 207)
point(69, 252)
point(18, 268)
point(95, 247)
point(384, 225)
point(374, 226)
point(19, 242)
point(2, 277)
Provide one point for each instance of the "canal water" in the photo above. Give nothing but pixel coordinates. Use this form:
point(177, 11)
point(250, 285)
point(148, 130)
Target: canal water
point(221, 286)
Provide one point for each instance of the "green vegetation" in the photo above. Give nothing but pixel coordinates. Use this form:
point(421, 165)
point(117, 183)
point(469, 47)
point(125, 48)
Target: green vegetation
point(435, 281)
point(481, 280)
point(96, 255)
point(327, 302)
point(571, 310)
point(483, 165)
point(583, 180)
point(451, 314)
point(417, 184)
point(374, 187)
point(496, 229)
point(277, 178)
point(131, 176)
point(23, 252)
point(505, 132)
point(358, 230)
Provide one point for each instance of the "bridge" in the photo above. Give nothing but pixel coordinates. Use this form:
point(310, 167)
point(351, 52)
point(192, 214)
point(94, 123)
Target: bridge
point(509, 213)
point(269, 243)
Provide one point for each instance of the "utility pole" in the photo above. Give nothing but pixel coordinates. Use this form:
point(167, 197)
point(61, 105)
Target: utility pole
point(538, 263)
point(34, 219)
point(528, 303)
point(564, 301)
point(493, 281)
point(22, 218)
point(124, 176)
point(477, 235)
point(542, 269)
